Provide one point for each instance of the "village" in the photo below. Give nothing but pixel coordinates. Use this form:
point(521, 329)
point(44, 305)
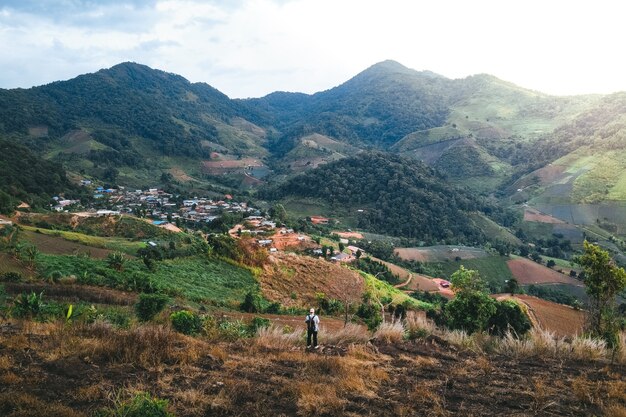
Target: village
point(173, 212)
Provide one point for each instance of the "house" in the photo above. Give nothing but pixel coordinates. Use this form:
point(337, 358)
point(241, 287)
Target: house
point(341, 257)
point(107, 213)
point(265, 242)
point(355, 249)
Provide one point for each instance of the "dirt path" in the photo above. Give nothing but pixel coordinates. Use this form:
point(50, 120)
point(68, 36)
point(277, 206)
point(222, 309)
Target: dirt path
point(406, 283)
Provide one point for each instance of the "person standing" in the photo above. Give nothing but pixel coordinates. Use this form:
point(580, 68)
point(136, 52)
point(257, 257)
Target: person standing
point(312, 326)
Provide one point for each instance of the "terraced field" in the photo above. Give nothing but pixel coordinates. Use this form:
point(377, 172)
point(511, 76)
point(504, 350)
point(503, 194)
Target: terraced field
point(439, 253)
point(528, 272)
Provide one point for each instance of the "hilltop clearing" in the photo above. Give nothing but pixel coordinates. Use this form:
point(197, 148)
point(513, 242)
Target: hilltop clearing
point(295, 280)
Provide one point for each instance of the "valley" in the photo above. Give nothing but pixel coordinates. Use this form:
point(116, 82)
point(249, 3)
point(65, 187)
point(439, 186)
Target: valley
point(161, 244)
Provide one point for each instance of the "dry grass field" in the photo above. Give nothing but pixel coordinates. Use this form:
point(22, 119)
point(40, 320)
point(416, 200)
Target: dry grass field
point(50, 369)
point(288, 274)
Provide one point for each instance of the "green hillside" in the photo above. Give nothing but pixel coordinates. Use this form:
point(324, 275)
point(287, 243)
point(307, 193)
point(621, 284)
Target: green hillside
point(26, 177)
point(395, 197)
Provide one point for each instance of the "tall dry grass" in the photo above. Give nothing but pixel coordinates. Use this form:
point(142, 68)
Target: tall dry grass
point(543, 343)
point(390, 332)
point(275, 338)
point(418, 326)
point(350, 333)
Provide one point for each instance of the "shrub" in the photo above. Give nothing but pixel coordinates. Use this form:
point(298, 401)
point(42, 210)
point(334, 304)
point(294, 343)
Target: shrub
point(27, 305)
point(11, 277)
point(141, 405)
point(370, 314)
point(251, 303)
point(117, 317)
point(186, 322)
point(149, 305)
point(233, 330)
point(54, 276)
point(470, 311)
point(274, 308)
point(509, 316)
point(259, 323)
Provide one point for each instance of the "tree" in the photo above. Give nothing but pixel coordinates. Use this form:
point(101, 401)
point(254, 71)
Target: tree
point(603, 281)
point(550, 263)
point(465, 280)
point(512, 286)
point(509, 317)
point(278, 213)
point(470, 311)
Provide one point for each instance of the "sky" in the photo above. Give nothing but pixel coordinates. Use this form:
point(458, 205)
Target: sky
point(249, 48)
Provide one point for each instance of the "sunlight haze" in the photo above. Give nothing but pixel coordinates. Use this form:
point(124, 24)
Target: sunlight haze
point(249, 48)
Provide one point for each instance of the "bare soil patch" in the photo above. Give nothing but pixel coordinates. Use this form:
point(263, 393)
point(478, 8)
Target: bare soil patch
point(528, 272)
point(180, 175)
point(533, 215)
point(282, 241)
point(349, 235)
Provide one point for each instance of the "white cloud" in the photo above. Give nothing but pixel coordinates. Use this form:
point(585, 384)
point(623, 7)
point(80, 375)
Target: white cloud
point(252, 47)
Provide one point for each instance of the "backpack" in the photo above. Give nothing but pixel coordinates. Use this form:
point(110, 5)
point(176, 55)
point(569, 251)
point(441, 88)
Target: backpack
point(311, 323)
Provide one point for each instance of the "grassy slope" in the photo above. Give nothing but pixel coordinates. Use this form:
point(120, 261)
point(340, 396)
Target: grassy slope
point(493, 230)
point(381, 289)
point(118, 244)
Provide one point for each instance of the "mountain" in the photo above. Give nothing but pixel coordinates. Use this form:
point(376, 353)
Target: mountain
point(390, 195)
point(129, 116)
point(459, 126)
point(377, 107)
point(131, 124)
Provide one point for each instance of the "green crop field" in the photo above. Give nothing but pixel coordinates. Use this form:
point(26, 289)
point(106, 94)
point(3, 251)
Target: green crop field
point(196, 279)
point(493, 269)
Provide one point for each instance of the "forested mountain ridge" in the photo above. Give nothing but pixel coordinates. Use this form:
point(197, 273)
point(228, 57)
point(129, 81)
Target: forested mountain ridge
point(166, 109)
point(26, 177)
point(377, 107)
